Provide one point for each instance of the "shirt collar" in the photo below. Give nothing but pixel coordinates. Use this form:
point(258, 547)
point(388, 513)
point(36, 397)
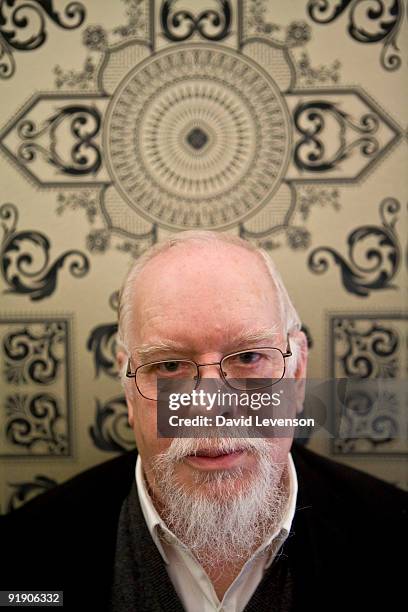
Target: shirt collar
point(154, 521)
point(283, 529)
point(151, 516)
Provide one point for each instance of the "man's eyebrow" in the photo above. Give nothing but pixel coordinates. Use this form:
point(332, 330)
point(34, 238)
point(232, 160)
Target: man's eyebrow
point(147, 351)
point(246, 337)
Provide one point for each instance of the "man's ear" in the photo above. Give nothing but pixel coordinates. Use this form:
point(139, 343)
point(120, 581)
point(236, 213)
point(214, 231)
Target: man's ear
point(122, 359)
point(300, 339)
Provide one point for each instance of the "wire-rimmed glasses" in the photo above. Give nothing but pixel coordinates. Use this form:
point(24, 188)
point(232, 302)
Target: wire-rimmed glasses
point(265, 364)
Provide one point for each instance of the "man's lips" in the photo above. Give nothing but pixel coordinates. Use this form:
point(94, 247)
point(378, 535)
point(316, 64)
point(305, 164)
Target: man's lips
point(214, 459)
point(212, 452)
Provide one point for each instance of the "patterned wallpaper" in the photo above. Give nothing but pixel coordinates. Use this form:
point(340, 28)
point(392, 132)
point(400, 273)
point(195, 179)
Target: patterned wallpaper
point(280, 121)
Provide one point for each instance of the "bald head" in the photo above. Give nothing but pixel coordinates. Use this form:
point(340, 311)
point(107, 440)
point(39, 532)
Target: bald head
point(201, 275)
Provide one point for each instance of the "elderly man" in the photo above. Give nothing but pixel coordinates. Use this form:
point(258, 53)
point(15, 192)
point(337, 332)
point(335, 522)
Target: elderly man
point(217, 523)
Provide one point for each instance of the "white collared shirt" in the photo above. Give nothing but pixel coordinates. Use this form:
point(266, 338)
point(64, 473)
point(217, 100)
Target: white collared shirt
point(189, 579)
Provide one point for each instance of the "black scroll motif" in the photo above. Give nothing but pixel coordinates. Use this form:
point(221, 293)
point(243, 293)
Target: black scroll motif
point(179, 25)
point(311, 119)
point(25, 259)
point(83, 122)
point(370, 21)
point(25, 491)
point(36, 423)
point(34, 355)
point(371, 417)
point(111, 431)
point(102, 343)
point(22, 27)
point(367, 352)
point(362, 424)
point(376, 246)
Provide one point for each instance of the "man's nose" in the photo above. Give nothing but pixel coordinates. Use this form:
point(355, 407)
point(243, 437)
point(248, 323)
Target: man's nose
point(210, 370)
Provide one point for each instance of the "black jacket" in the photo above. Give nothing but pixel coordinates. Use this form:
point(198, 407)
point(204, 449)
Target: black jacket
point(347, 545)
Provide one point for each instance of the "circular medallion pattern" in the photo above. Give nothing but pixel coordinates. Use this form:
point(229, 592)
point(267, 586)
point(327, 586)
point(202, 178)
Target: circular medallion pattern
point(197, 136)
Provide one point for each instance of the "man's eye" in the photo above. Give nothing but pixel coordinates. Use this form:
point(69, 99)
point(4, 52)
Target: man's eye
point(169, 366)
point(249, 358)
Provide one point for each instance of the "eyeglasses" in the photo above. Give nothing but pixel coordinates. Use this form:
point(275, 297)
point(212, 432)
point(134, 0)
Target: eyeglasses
point(266, 364)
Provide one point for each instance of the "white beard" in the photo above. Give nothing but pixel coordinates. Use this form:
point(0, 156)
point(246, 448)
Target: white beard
point(219, 520)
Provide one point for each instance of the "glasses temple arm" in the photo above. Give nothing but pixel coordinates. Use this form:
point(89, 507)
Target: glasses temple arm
point(288, 349)
point(129, 371)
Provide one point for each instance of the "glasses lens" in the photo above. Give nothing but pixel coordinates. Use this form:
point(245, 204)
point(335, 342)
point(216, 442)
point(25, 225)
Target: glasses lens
point(172, 371)
point(265, 366)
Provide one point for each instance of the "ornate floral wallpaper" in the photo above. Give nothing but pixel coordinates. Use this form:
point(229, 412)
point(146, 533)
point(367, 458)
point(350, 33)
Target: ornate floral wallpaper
point(280, 121)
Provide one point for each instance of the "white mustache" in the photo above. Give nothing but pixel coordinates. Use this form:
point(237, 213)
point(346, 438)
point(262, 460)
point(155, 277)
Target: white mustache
point(183, 447)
